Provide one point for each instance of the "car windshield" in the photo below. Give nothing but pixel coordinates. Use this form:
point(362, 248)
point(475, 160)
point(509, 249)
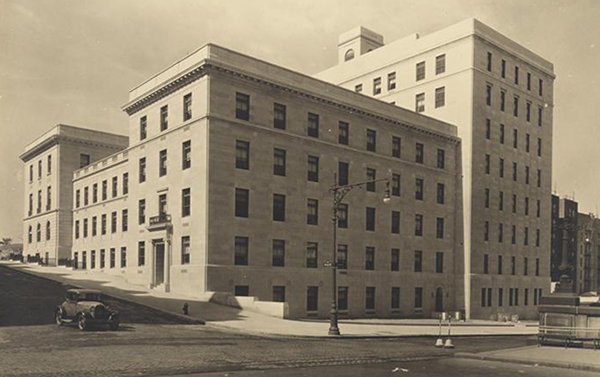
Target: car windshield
point(89, 297)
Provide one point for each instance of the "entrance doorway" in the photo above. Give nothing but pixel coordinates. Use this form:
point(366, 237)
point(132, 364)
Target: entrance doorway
point(439, 300)
point(159, 272)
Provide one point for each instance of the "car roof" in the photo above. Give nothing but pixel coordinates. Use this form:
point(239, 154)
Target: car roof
point(84, 291)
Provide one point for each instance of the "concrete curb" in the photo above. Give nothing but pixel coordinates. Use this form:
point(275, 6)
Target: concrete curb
point(531, 362)
point(190, 320)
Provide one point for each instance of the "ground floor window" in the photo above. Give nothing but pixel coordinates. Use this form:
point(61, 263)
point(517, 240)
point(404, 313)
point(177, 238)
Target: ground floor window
point(312, 299)
point(370, 299)
point(418, 299)
point(342, 298)
point(395, 298)
point(279, 293)
point(242, 290)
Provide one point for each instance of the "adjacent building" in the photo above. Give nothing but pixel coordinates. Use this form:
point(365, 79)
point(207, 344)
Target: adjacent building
point(500, 95)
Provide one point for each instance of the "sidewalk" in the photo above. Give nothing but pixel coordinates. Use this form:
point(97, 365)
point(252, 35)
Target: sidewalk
point(571, 358)
point(235, 319)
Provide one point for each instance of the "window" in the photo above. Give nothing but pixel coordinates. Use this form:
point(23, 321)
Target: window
point(141, 253)
point(395, 260)
point(418, 299)
point(514, 203)
point(537, 266)
point(514, 171)
point(312, 212)
point(39, 201)
point(124, 220)
point(143, 128)
point(501, 133)
point(312, 299)
point(30, 234)
point(370, 298)
point(513, 233)
point(342, 256)
point(162, 158)
point(312, 250)
point(420, 102)
point(418, 225)
point(164, 118)
point(440, 97)
point(500, 233)
point(242, 202)
point(103, 224)
point(396, 146)
point(528, 111)
point(343, 133)
point(370, 258)
point(516, 106)
point(525, 266)
point(370, 214)
point(538, 208)
point(85, 196)
point(113, 222)
point(501, 168)
point(527, 175)
point(93, 259)
point(48, 229)
point(487, 198)
point(419, 153)
point(371, 176)
point(84, 160)
point(358, 88)
point(540, 111)
point(102, 258)
point(487, 164)
point(94, 225)
point(439, 228)
point(513, 265)
point(186, 155)
point(186, 202)
point(371, 140)
point(279, 162)
point(488, 129)
point(185, 250)
point(516, 75)
point(418, 265)
point(440, 64)
point(503, 69)
point(420, 71)
point(540, 86)
point(483, 293)
point(489, 61)
point(162, 204)
point(39, 169)
point(187, 107)
point(114, 187)
point(537, 238)
point(241, 251)
point(278, 293)
point(376, 86)
point(142, 211)
point(486, 264)
point(123, 257)
point(395, 300)
point(313, 125)
point(313, 169)
point(343, 173)
point(342, 298)
point(499, 264)
point(391, 80)
point(539, 147)
point(419, 188)
point(441, 193)
point(278, 253)
point(278, 207)
point(528, 81)
point(112, 257)
point(49, 165)
point(515, 138)
point(241, 290)
point(500, 296)
point(30, 173)
point(395, 222)
point(539, 178)
point(279, 116)
point(527, 142)
point(49, 197)
point(396, 184)
point(441, 158)
point(104, 189)
point(349, 55)
point(142, 169)
point(526, 206)
point(488, 94)
point(342, 215)
point(242, 154)
point(502, 100)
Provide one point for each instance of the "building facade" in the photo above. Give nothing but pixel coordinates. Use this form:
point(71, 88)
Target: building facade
point(500, 95)
point(49, 163)
point(224, 188)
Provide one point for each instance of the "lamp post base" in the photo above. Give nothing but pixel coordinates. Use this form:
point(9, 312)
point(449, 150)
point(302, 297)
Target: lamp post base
point(333, 331)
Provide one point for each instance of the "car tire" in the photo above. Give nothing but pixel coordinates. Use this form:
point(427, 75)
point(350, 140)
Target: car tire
point(81, 322)
point(58, 317)
point(113, 326)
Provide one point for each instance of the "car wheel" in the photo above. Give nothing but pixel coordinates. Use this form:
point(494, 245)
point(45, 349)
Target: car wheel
point(58, 317)
point(81, 323)
point(113, 326)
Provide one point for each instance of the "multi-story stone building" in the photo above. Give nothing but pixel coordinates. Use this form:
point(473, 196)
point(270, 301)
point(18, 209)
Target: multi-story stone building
point(500, 95)
point(224, 188)
point(588, 277)
point(49, 163)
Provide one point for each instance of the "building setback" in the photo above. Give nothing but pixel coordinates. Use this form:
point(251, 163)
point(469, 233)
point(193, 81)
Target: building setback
point(224, 188)
point(500, 95)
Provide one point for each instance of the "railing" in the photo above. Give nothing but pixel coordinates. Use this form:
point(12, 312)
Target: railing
point(161, 219)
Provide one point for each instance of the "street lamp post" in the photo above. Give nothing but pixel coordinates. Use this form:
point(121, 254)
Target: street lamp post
point(338, 193)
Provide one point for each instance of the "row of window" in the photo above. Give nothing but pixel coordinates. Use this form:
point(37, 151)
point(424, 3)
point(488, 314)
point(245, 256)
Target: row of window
point(486, 234)
point(38, 232)
point(186, 161)
point(513, 296)
point(514, 205)
point(39, 201)
point(502, 137)
point(104, 191)
point(440, 99)
point(164, 116)
point(84, 160)
point(516, 99)
point(516, 74)
point(513, 265)
point(515, 170)
point(186, 205)
point(103, 224)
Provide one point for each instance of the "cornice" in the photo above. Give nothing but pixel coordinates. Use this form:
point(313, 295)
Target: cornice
point(57, 139)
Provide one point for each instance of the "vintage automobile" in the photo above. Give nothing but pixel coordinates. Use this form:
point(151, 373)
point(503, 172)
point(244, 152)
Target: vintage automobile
point(85, 308)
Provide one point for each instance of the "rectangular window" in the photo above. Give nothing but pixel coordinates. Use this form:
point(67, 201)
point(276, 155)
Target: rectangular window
point(30, 173)
point(113, 257)
point(313, 125)
point(342, 215)
point(358, 88)
point(528, 81)
point(499, 264)
point(49, 197)
point(114, 187)
point(94, 225)
point(278, 293)
point(440, 228)
point(527, 142)
point(525, 266)
point(483, 294)
point(489, 61)
point(537, 238)
point(376, 86)
point(313, 169)
point(370, 298)
point(49, 165)
point(439, 262)
point(342, 257)
point(500, 296)
point(391, 80)
point(343, 173)
point(371, 176)
point(162, 204)
point(395, 300)
point(279, 116)
point(516, 106)
point(516, 75)
point(142, 169)
point(501, 168)
point(440, 64)
point(102, 258)
point(514, 171)
point(343, 133)
point(242, 154)
point(103, 224)
point(242, 202)
point(395, 222)
point(526, 206)
point(528, 111)
point(540, 86)
point(501, 133)
point(279, 162)
point(502, 100)
point(185, 250)
point(142, 211)
point(369, 258)
point(187, 107)
point(486, 264)
point(488, 129)
point(420, 102)
point(85, 228)
point(418, 225)
point(186, 154)
point(500, 233)
point(242, 106)
point(441, 158)
point(395, 260)
point(440, 97)
point(162, 160)
point(104, 189)
point(278, 207)
point(312, 299)
point(514, 203)
point(278, 253)
point(537, 266)
point(419, 153)
point(503, 69)
point(241, 251)
point(538, 209)
point(418, 299)
point(370, 217)
point(514, 235)
point(396, 146)
point(526, 175)
point(312, 212)
point(420, 72)
point(539, 178)
point(371, 140)
point(396, 184)
point(441, 193)
point(419, 185)
point(164, 118)
point(540, 111)
point(141, 253)
point(513, 265)
point(418, 263)
point(515, 138)
point(312, 257)
point(487, 198)
point(241, 290)
point(39, 201)
point(539, 147)
point(186, 202)
point(124, 220)
point(113, 222)
point(86, 192)
point(488, 94)
point(93, 259)
point(143, 128)
point(123, 257)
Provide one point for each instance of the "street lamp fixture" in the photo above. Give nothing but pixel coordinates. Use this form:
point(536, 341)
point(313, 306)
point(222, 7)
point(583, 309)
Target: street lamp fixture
point(338, 193)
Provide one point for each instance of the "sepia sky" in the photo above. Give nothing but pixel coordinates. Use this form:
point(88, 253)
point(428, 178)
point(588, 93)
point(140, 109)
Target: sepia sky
point(74, 61)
